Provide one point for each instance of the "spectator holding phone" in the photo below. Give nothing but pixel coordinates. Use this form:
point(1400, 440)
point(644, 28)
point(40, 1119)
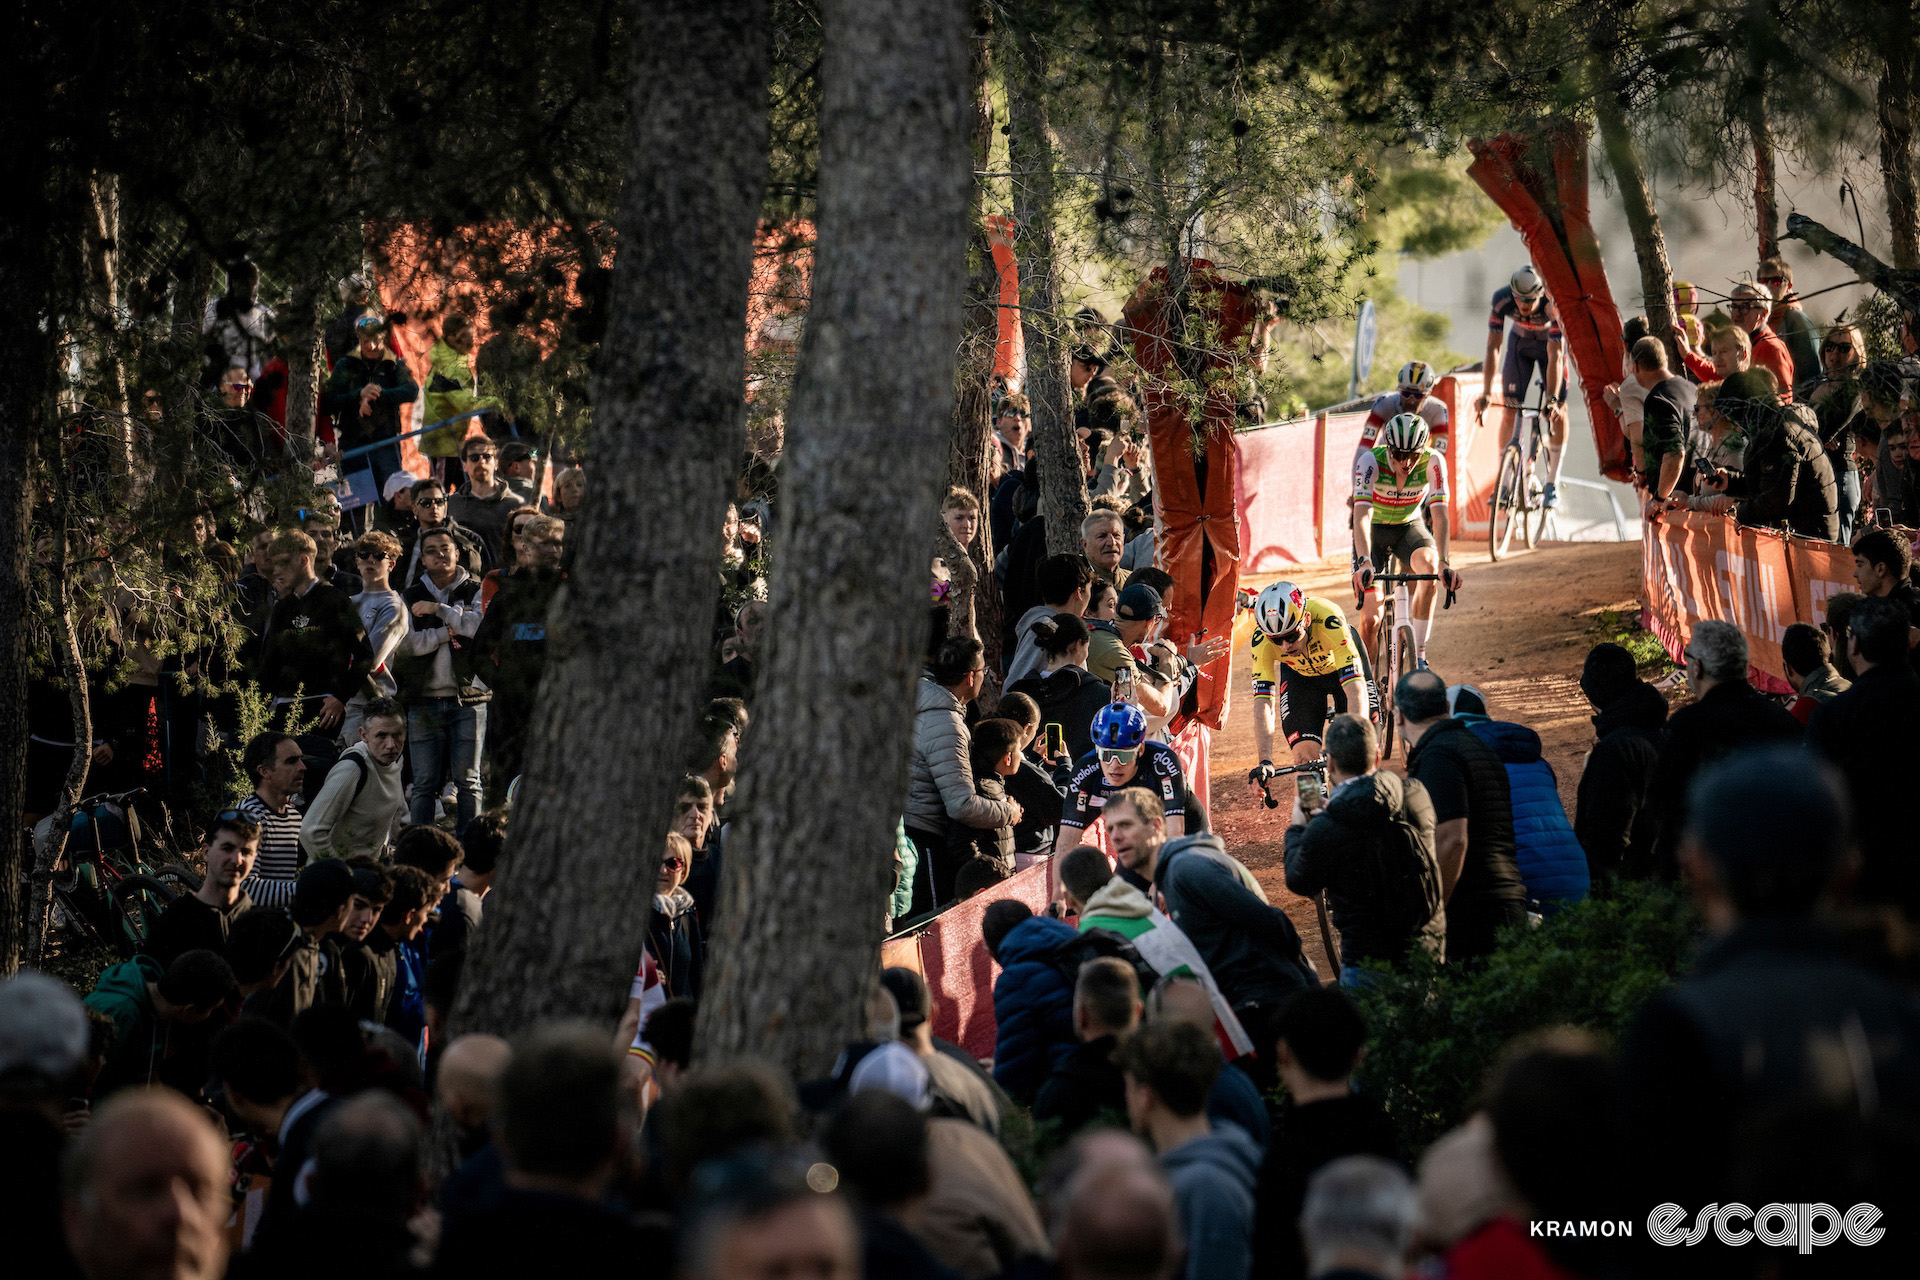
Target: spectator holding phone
point(1067, 694)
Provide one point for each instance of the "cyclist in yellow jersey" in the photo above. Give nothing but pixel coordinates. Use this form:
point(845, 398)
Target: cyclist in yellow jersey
point(1390, 483)
point(1304, 649)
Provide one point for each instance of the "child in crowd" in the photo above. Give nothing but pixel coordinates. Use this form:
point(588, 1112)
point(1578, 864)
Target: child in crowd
point(995, 757)
point(1031, 785)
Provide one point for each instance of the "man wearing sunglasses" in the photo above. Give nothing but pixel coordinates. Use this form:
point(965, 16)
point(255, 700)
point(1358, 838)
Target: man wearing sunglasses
point(1394, 481)
point(201, 922)
point(431, 509)
point(1789, 319)
point(1749, 306)
point(1414, 395)
point(1121, 758)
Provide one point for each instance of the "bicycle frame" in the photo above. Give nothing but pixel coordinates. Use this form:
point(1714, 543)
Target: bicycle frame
point(1327, 939)
point(1394, 642)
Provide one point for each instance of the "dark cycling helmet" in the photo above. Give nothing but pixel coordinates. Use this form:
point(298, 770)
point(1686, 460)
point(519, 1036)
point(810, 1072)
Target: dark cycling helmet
point(1119, 726)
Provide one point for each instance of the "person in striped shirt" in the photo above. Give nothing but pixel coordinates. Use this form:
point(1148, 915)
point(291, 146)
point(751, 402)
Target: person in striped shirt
point(275, 763)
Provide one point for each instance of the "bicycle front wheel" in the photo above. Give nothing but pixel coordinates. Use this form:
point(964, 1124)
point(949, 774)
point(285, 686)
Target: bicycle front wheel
point(138, 902)
point(1508, 494)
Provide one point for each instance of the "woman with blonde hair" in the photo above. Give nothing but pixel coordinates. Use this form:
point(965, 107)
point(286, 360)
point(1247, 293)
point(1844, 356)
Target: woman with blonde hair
point(1837, 409)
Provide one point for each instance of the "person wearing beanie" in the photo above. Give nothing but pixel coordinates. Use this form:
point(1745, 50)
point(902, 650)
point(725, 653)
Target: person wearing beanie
point(1553, 863)
point(1612, 819)
point(321, 898)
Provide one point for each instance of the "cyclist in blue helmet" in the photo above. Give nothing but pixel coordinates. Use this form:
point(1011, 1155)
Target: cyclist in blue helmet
point(1122, 757)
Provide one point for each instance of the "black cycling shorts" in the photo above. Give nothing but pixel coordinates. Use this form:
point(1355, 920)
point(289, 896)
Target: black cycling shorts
point(1304, 701)
point(1517, 370)
point(1399, 541)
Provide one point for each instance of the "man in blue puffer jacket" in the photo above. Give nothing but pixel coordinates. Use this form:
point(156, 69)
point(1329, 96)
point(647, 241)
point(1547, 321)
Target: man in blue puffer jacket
point(1552, 863)
point(1032, 997)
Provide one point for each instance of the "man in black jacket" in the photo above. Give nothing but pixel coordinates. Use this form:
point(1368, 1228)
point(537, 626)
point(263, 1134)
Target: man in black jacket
point(1725, 715)
point(1786, 481)
point(314, 645)
point(1106, 1008)
point(365, 395)
point(1473, 817)
point(510, 649)
point(1774, 1015)
point(1370, 847)
point(1612, 819)
point(200, 922)
point(1867, 732)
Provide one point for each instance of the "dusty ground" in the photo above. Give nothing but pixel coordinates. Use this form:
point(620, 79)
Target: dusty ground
point(1518, 631)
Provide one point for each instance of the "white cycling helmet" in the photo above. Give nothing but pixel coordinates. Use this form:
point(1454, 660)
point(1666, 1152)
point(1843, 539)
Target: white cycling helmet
point(1419, 375)
point(1526, 283)
point(1405, 433)
point(1281, 611)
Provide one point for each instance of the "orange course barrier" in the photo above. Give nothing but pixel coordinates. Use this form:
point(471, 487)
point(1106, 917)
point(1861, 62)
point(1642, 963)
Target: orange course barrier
point(1696, 566)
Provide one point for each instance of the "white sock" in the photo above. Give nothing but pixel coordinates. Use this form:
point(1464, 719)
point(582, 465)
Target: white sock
point(1422, 628)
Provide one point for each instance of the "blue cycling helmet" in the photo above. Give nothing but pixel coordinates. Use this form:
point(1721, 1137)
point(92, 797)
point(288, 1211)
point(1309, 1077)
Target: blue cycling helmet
point(1119, 726)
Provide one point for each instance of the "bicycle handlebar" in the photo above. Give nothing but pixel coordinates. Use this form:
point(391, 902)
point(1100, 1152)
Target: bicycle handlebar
point(1312, 766)
point(1417, 577)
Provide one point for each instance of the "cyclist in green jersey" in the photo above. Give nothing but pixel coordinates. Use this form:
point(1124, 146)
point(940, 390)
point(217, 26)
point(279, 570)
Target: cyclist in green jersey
point(1390, 483)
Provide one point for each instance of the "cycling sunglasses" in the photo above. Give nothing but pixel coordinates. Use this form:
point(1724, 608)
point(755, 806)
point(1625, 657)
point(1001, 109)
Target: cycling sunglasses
point(1118, 755)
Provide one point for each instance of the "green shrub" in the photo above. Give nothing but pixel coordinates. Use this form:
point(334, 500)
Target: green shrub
point(1436, 1030)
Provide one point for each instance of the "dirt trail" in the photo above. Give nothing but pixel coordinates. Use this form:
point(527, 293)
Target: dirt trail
point(1518, 631)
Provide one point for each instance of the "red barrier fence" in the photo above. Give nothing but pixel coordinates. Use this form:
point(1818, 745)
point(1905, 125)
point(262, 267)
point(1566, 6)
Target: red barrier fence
point(1294, 479)
point(1696, 566)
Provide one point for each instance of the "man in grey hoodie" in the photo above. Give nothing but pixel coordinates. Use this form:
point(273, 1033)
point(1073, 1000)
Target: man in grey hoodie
point(1066, 586)
point(361, 801)
point(1169, 1069)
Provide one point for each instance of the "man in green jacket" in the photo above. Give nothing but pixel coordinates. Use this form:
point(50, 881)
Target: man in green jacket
point(150, 1007)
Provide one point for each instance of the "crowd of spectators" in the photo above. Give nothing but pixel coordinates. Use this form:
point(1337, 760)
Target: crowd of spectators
point(274, 1058)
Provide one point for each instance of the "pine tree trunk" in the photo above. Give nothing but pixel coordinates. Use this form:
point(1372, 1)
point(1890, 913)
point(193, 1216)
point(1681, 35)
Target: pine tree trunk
point(1897, 108)
point(73, 673)
point(1643, 221)
point(969, 447)
point(810, 862)
point(26, 362)
point(1063, 483)
point(630, 636)
point(1766, 213)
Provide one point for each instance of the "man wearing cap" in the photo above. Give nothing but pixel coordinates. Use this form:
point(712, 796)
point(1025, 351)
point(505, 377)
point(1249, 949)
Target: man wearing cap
point(954, 1078)
point(518, 459)
point(1749, 307)
point(1159, 685)
point(365, 395)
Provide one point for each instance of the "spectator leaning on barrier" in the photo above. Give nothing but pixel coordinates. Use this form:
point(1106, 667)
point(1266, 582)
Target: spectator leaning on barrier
point(941, 795)
point(1613, 820)
point(1773, 997)
point(1369, 846)
point(1804, 654)
point(1882, 565)
point(1553, 865)
point(1867, 732)
point(1666, 417)
point(1473, 818)
point(1787, 483)
point(1727, 713)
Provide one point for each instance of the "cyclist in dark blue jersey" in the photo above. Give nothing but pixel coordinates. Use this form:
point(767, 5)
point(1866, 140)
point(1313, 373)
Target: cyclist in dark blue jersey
point(1121, 757)
point(1536, 346)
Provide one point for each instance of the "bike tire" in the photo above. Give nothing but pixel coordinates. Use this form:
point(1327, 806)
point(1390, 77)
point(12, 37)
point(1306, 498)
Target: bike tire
point(1505, 507)
point(185, 875)
point(1382, 679)
point(1408, 656)
point(1535, 516)
point(71, 916)
point(1375, 712)
point(138, 902)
